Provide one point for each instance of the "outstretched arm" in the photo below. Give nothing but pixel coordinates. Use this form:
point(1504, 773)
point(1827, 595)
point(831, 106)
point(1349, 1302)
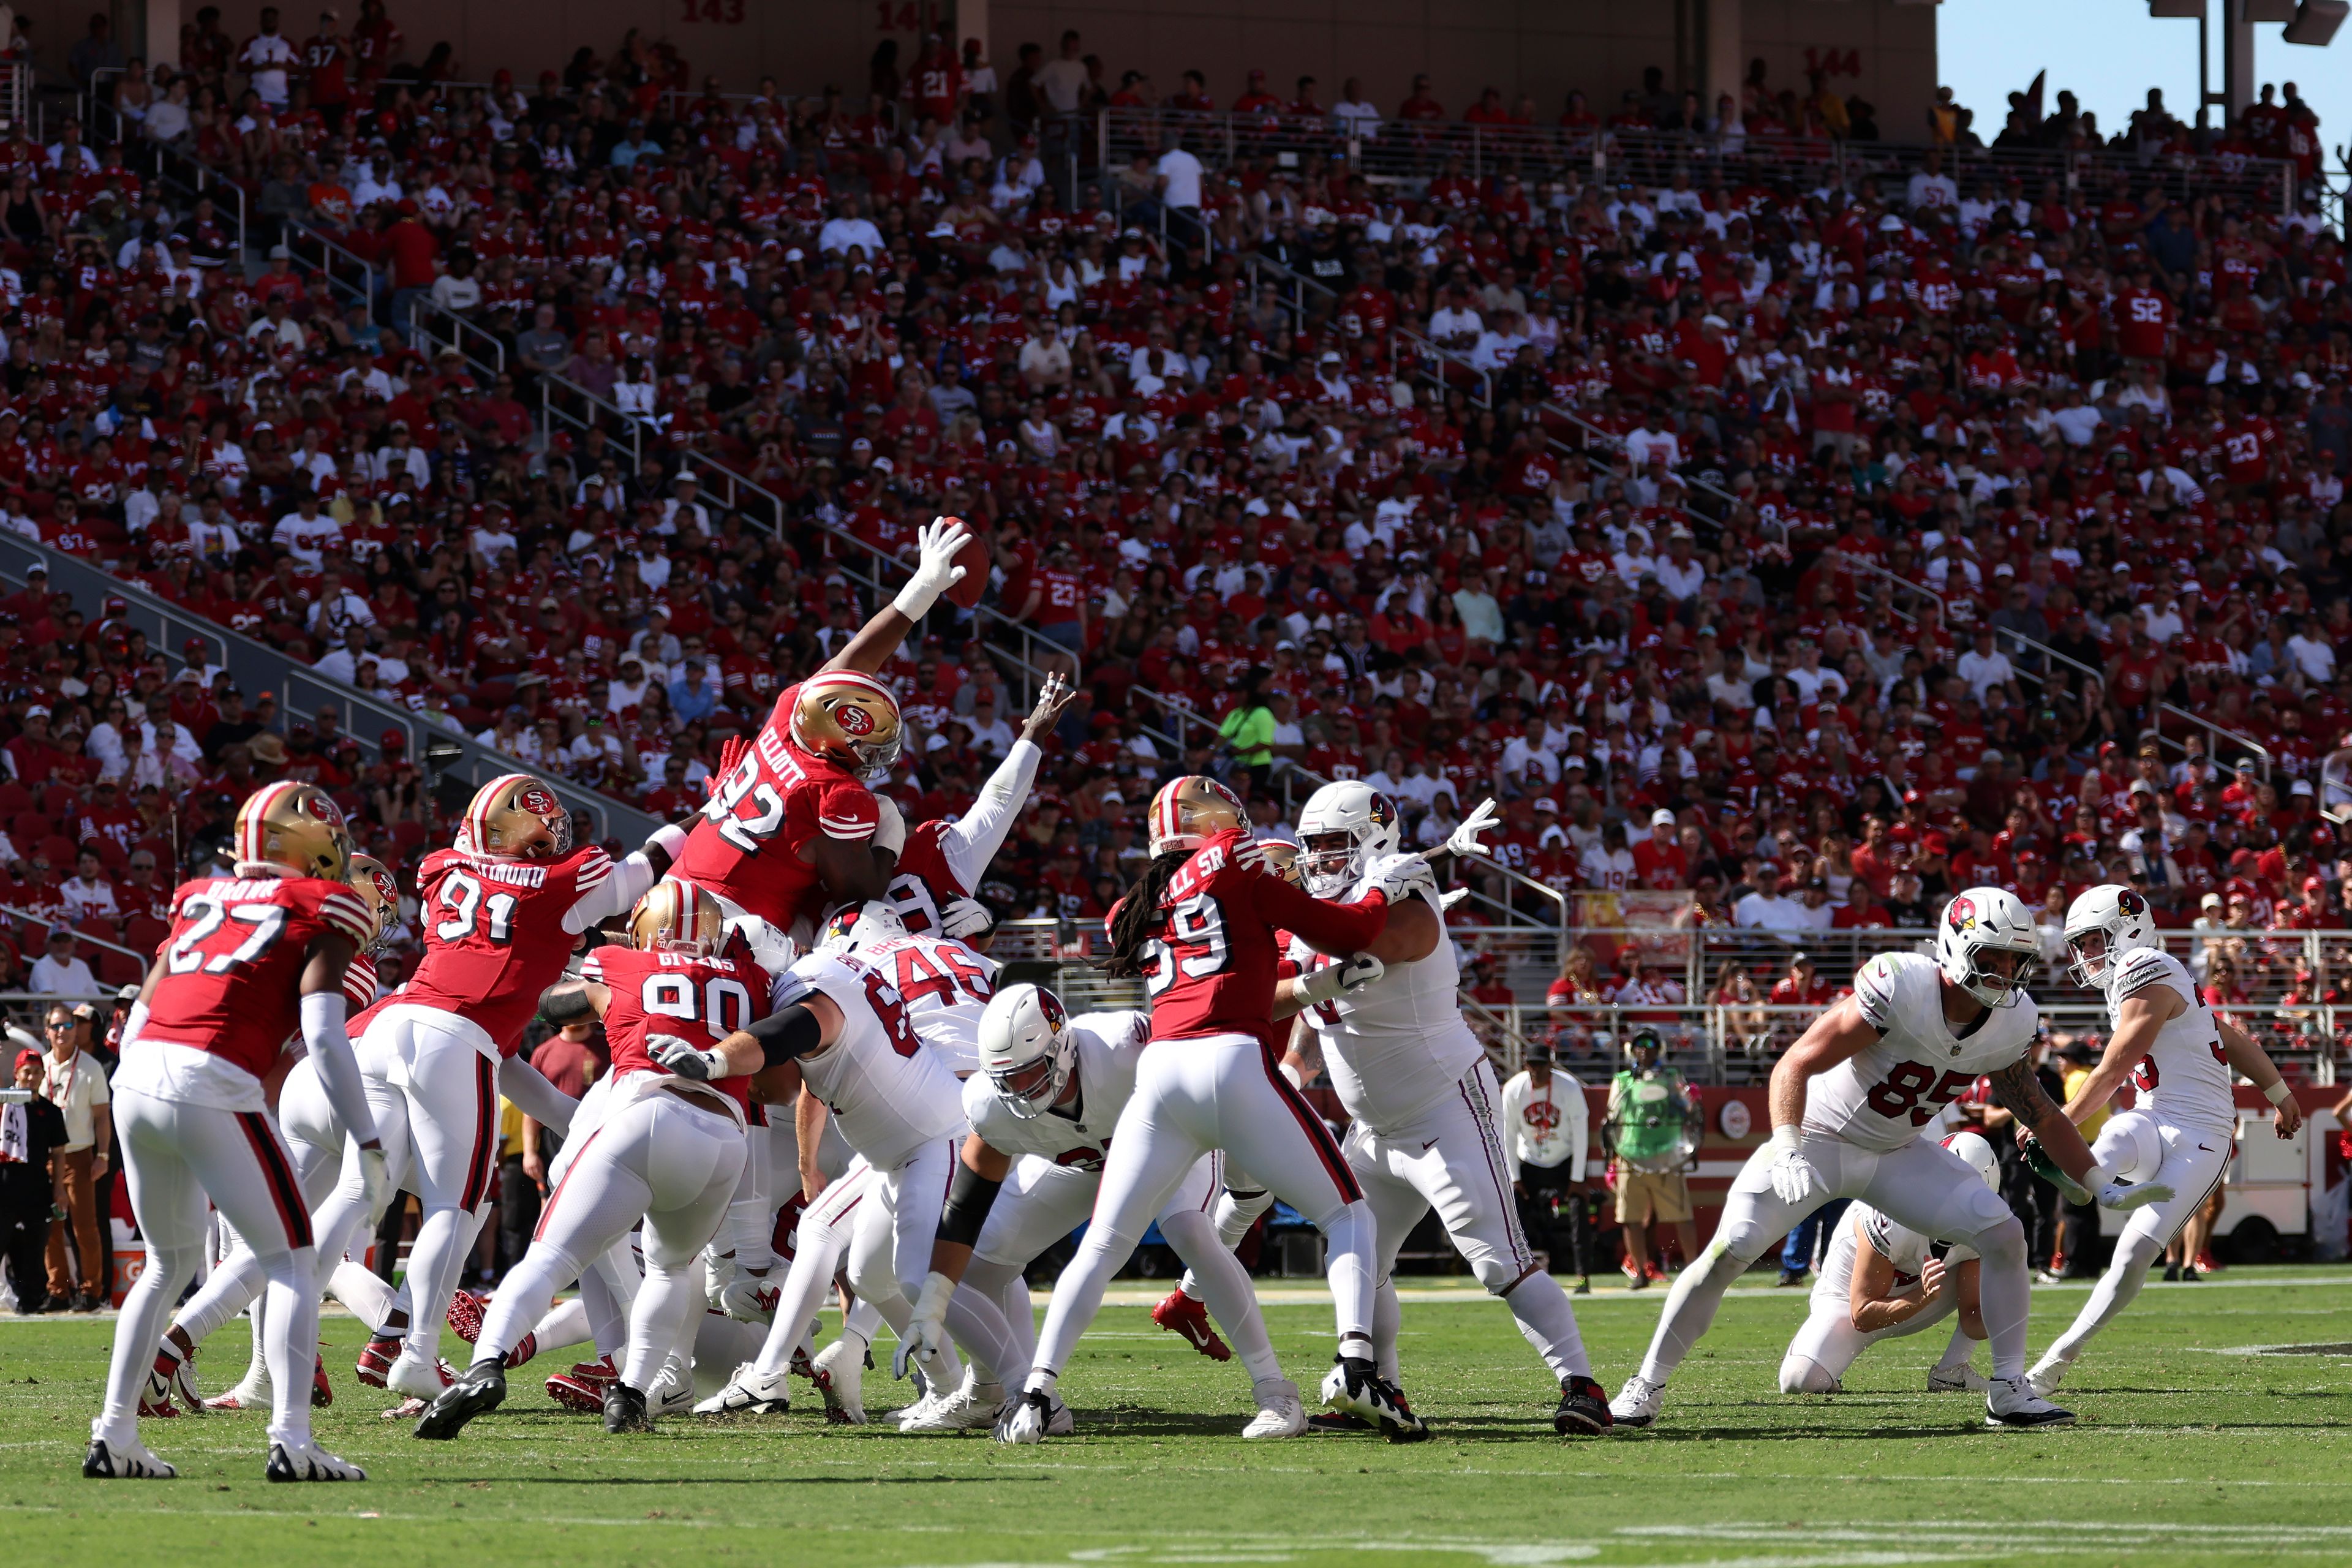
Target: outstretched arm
point(935, 573)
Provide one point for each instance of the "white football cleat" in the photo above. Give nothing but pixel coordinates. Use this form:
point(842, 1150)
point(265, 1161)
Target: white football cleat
point(970, 1407)
point(1280, 1411)
point(841, 1378)
point(2014, 1403)
point(418, 1378)
point(183, 1373)
point(750, 1392)
point(1354, 1387)
point(672, 1392)
point(309, 1462)
point(1638, 1403)
point(244, 1397)
point(128, 1460)
point(1032, 1417)
point(2048, 1373)
point(1963, 1379)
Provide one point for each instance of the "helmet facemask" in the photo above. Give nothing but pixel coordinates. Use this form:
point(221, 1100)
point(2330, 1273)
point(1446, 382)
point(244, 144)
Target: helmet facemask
point(2090, 958)
point(1329, 862)
point(1030, 1090)
point(1991, 985)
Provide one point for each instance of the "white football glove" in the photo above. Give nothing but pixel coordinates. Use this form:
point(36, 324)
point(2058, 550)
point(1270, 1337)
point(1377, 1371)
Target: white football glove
point(927, 1327)
point(960, 918)
point(1361, 969)
point(1794, 1176)
point(1399, 876)
point(935, 568)
point(375, 1178)
point(686, 1059)
point(2122, 1195)
point(890, 829)
point(748, 1297)
point(1452, 896)
point(1463, 839)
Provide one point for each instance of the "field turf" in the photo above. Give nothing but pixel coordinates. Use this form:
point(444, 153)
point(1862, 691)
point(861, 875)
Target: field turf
point(2194, 1448)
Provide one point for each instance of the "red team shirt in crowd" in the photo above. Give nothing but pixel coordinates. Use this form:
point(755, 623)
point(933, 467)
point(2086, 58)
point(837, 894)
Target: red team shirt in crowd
point(767, 811)
point(700, 1000)
point(494, 936)
point(1213, 963)
point(233, 964)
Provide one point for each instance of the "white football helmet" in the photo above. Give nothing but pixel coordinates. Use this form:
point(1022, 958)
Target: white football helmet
point(1345, 827)
point(2107, 922)
point(2133, 1147)
point(1973, 1148)
point(854, 926)
point(1985, 921)
point(1027, 1048)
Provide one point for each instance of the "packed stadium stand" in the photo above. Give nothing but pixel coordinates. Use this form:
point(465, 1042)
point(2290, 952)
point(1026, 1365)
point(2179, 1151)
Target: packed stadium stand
point(1792, 519)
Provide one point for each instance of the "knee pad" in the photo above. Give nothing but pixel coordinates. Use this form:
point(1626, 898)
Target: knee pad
point(2002, 1244)
point(1801, 1375)
point(1492, 1269)
point(1188, 1231)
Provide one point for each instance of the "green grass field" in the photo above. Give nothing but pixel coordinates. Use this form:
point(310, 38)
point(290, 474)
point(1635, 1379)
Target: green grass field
point(2193, 1449)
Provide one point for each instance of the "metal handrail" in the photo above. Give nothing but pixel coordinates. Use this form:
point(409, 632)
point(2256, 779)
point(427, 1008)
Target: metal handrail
point(456, 338)
point(37, 917)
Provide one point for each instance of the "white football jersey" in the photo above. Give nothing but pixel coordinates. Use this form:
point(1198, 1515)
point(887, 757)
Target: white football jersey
point(1881, 1097)
point(2184, 1080)
point(1905, 1248)
point(1109, 1044)
point(1397, 1046)
point(888, 1092)
point(945, 986)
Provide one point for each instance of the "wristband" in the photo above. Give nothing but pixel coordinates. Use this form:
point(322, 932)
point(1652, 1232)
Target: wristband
point(669, 838)
point(2278, 1094)
point(1788, 1136)
point(915, 602)
point(1322, 986)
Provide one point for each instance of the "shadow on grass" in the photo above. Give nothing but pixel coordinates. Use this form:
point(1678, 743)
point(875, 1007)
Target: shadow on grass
point(575, 1479)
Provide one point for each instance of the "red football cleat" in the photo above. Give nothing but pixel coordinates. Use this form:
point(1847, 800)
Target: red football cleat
point(323, 1393)
point(582, 1388)
point(1650, 1270)
point(155, 1399)
point(465, 1316)
point(1189, 1321)
point(376, 1359)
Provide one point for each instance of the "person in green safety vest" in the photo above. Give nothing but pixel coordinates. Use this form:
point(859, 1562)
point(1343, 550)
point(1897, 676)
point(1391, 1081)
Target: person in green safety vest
point(1652, 1128)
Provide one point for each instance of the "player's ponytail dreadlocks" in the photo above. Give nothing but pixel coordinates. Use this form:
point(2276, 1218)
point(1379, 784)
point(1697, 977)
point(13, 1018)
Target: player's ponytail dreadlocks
point(1139, 916)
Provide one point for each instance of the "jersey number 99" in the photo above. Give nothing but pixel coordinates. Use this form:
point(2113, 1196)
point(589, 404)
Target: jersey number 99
point(1194, 947)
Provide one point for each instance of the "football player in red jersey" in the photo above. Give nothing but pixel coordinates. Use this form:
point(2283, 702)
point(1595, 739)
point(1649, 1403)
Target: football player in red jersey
point(252, 958)
point(1199, 927)
point(943, 860)
point(500, 913)
point(668, 1150)
point(314, 1136)
point(792, 827)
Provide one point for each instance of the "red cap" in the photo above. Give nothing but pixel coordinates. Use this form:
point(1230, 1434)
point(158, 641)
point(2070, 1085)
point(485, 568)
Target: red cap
point(392, 740)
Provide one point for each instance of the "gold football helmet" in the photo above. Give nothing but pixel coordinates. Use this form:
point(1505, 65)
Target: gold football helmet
point(849, 718)
point(1190, 809)
point(518, 816)
point(296, 827)
point(380, 890)
point(678, 917)
point(1282, 859)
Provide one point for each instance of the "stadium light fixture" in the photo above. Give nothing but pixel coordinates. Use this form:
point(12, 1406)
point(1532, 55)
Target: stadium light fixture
point(2315, 22)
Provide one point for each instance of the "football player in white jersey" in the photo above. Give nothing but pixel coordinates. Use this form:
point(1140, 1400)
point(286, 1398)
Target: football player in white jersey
point(1042, 1109)
point(1423, 1099)
point(841, 1022)
point(941, 866)
point(2165, 1042)
point(1882, 1280)
point(1848, 1101)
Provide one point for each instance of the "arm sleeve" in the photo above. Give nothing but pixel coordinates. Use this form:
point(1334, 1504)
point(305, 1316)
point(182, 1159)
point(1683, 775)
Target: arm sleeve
point(536, 1098)
point(338, 1070)
point(614, 891)
point(1333, 929)
point(972, 841)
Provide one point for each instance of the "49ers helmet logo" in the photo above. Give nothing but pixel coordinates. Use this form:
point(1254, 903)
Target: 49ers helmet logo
point(538, 802)
point(1963, 915)
point(853, 720)
point(312, 803)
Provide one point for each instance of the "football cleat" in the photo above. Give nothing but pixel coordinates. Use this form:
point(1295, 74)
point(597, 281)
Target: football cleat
point(625, 1409)
point(972, 1407)
point(465, 1316)
point(1637, 1402)
point(182, 1371)
point(128, 1460)
point(309, 1463)
point(1280, 1411)
point(750, 1392)
point(582, 1388)
point(323, 1393)
point(523, 1351)
point(1583, 1409)
point(246, 1396)
point(2011, 1402)
point(2045, 1377)
point(482, 1390)
point(673, 1390)
point(155, 1397)
point(377, 1358)
point(1032, 1417)
point(1961, 1380)
point(1189, 1321)
point(418, 1380)
point(841, 1378)
point(1355, 1386)
point(1326, 1424)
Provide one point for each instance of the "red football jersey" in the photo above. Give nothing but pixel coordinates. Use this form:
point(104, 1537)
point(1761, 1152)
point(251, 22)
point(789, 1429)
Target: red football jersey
point(747, 848)
point(233, 964)
point(1210, 966)
point(701, 1000)
point(494, 936)
point(360, 985)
